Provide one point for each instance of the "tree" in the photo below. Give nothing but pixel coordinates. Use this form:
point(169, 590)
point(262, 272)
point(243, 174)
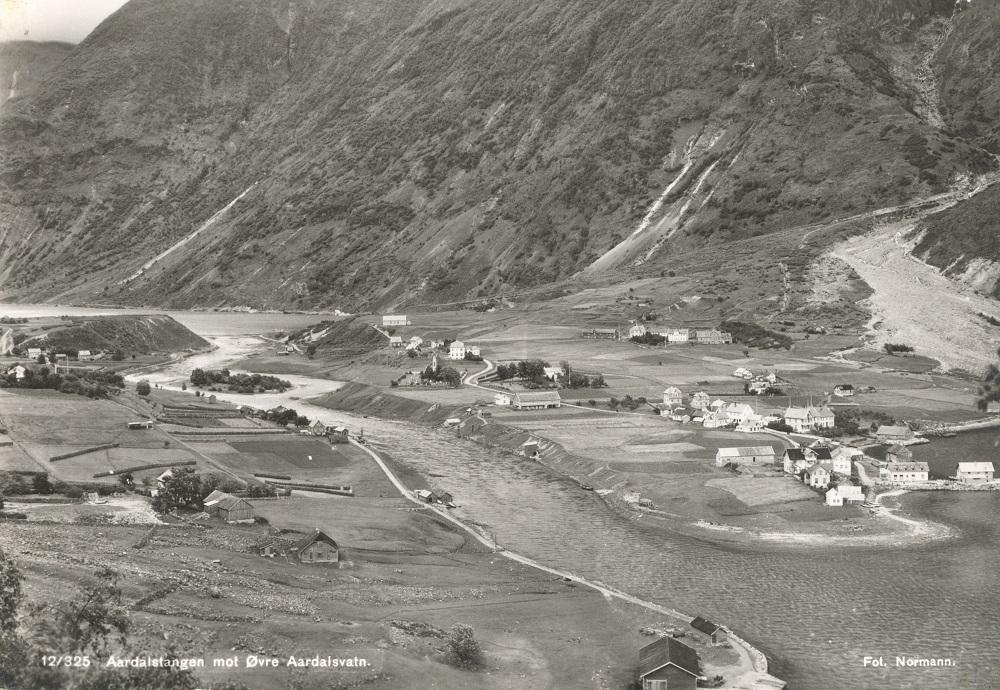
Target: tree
point(989, 391)
point(198, 377)
point(1, 503)
point(598, 382)
point(182, 489)
point(142, 388)
point(41, 359)
point(40, 483)
point(126, 480)
point(451, 377)
point(463, 647)
point(311, 350)
point(90, 623)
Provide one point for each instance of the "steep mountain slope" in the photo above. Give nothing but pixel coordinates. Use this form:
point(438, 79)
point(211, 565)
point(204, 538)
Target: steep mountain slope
point(25, 64)
point(964, 241)
point(357, 154)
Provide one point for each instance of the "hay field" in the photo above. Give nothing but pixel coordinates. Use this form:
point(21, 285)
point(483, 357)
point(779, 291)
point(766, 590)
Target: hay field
point(757, 491)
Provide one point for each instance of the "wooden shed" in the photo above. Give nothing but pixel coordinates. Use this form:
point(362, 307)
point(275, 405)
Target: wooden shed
point(318, 547)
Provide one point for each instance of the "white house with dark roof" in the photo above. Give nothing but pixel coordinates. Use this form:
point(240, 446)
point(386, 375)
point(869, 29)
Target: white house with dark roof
point(672, 397)
point(637, 330)
point(904, 472)
point(806, 419)
point(700, 400)
point(817, 476)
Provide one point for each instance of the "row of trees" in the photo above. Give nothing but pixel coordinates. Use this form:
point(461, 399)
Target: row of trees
point(89, 383)
point(239, 383)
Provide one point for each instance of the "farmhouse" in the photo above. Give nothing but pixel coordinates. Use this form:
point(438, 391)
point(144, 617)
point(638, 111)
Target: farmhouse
point(552, 373)
point(894, 433)
point(536, 400)
point(637, 331)
point(805, 419)
point(84, 355)
point(602, 334)
point(700, 400)
point(833, 497)
point(844, 390)
point(740, 412)
point(794, 460)
point(668, 664)
point(672, 397)
point(395, 320)
point(715, 633)
point(758, 387)
point(457, 350)
point(228, 507)
point(317, 428)
point(817, 476)
point(415, 342)
point(337, 434)
point(318, 547)
point(679, 335)
point(750, 455)
point(975, 472)
point(34, 352)
point(751, 425)
point(502, 399)
point(718, 419)
point(851, 493)
point(897, 453)
point(679, 414)
point(712, 336)
point(395, 341)
point(904, 472)
point(148, 424)
point(17, 371)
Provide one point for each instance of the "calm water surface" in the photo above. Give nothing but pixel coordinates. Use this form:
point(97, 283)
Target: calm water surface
point(815, 613)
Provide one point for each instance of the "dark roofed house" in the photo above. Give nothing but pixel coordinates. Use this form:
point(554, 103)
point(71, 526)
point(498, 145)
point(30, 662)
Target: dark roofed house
point(317, 547)
point(668, 664)
point(715, 633)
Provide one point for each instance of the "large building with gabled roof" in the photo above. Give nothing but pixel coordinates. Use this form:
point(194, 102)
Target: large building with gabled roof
point(668, 664)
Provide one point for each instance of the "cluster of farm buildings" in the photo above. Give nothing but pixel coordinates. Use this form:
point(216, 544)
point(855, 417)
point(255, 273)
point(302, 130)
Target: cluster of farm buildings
point(831, 470)
point(696, 336)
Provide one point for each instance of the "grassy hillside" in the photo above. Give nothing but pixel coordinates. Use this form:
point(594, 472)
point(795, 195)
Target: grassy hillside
point(131, 334)
point(425, 151)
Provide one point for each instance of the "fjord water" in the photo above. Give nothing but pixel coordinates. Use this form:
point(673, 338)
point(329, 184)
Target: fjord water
point(816, 612)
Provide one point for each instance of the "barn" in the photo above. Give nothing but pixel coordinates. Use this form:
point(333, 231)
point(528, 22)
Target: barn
point(317, 547)
point(228, 507)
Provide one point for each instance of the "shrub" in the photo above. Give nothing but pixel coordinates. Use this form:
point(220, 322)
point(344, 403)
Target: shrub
point(893, 348)
point(73, 492)
point(463, 648)
point(142, 388)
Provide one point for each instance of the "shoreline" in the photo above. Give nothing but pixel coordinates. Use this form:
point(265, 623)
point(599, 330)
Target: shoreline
point(754, 662)
point(757, 660)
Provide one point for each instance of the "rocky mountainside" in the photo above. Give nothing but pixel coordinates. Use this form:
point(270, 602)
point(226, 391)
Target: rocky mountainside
point(349, 154)
point(24, 65)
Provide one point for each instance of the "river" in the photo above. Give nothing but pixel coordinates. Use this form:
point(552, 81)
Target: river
point(816, 613)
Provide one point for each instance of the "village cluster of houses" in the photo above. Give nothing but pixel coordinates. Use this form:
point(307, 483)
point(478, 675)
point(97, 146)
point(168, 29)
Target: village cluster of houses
point(33, 353)
point(900, 468)
point(718, 414)
point(699, 336)
point(817, 466)
point(757, 383)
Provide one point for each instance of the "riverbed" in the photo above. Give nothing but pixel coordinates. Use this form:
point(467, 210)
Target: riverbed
point(817, 612)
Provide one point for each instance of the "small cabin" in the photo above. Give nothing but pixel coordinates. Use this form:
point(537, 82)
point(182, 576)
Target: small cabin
point(668, 664)
point(714, 632)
